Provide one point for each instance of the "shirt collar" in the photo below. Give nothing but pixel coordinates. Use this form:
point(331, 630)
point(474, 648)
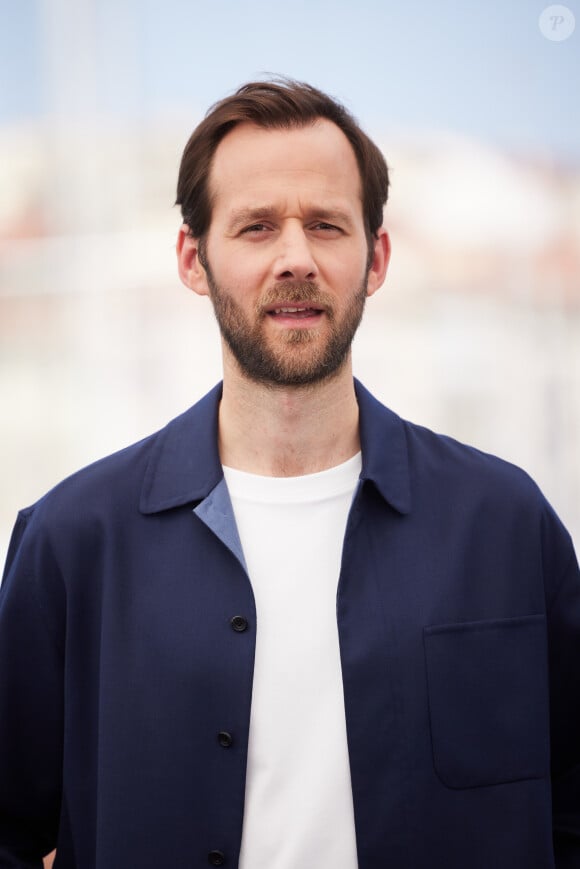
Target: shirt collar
point(184, 465)
point(385, 458)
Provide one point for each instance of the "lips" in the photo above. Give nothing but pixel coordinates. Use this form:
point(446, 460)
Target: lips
point(296, 312)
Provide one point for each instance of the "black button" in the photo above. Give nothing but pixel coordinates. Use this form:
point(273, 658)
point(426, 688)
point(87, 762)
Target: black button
point(216, 858)
point(239, 624)
point(225, 738)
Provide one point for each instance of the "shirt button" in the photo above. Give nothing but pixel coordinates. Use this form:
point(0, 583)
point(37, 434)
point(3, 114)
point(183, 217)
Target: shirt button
point(239, 624)
point(225, 738)
point(216, 858)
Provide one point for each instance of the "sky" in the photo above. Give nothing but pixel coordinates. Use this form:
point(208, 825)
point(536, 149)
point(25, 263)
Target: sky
point(483, 69)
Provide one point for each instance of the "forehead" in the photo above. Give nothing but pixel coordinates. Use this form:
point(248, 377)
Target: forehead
point(315, 161)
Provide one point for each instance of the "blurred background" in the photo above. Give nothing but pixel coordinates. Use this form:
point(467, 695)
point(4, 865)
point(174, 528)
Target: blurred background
point(476, 332)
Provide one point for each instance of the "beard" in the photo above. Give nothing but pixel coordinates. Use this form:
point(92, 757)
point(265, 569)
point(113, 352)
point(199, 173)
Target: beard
point(295, 357)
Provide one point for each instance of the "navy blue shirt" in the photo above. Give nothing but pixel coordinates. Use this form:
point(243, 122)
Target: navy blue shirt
point(127, 634)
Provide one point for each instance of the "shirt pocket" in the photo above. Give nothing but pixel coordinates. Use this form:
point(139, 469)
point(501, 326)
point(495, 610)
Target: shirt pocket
point(487, 685)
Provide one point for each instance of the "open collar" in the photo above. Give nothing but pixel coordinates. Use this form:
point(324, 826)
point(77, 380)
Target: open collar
point(385, 456)
point(184, 465)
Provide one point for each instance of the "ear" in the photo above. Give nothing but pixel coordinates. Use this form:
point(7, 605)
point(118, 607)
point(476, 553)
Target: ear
point(191, 271)
point(380, 262)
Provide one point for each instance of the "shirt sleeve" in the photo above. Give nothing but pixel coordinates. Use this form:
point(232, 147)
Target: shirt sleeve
point(31, 702)
point(563, 608)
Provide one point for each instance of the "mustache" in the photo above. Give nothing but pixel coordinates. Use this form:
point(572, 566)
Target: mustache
point(296, 292)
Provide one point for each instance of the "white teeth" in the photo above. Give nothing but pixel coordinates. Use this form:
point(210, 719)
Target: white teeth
point(289, 310)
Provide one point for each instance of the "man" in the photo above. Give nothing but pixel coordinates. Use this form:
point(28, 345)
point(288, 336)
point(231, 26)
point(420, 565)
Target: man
point(290, 630)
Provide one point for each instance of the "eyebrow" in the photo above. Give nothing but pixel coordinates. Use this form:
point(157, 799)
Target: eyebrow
point(250, 215)
point(245, 216)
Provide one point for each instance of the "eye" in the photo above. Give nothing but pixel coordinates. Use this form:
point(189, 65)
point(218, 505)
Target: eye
point(324, 227)
point(255, 227)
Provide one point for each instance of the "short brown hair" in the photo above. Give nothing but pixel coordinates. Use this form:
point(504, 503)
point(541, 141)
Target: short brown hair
point(279, 103)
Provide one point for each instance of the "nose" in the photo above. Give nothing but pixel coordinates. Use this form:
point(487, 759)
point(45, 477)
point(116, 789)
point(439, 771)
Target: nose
point(295, 257)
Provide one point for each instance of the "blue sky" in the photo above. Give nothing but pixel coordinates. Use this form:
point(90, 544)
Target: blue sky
point(480, 68)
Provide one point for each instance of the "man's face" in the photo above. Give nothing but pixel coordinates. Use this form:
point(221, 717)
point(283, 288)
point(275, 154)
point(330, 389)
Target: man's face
point(286, 259)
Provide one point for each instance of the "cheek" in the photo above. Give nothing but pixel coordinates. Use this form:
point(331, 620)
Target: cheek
point(343, 276)
point(343, 261)
point(242, 271)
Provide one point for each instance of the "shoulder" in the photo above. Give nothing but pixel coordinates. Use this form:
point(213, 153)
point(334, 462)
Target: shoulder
point(492, 496)
point(436, 466)
point(106, 490)
point(107, 482)
point(440, 458)
point(493, 492)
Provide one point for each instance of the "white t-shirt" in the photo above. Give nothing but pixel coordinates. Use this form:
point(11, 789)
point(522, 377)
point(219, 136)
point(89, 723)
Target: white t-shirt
point(298, 810)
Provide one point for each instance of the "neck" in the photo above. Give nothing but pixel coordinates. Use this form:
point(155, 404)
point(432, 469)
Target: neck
point(287, 431)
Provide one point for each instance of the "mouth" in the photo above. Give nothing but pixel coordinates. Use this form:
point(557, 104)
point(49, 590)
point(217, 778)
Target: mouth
point(292, 313)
